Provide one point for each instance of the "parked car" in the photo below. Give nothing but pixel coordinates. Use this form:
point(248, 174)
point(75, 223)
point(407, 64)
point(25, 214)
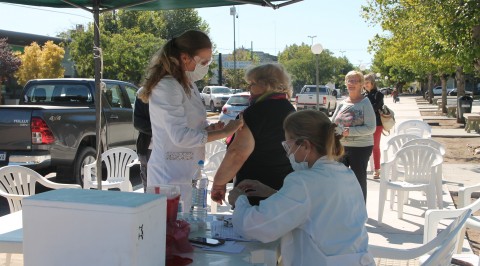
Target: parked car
point(453, 92)
point(54, 127)
point(235, 91)
point(307, 98)
point(215, 96)
point(235, 105)
point(437, 91)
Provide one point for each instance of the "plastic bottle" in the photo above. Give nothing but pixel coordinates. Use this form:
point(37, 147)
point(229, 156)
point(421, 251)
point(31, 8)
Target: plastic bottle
point(198, 211)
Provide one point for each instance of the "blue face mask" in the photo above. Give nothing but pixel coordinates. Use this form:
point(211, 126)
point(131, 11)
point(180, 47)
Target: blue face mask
point(298, 166)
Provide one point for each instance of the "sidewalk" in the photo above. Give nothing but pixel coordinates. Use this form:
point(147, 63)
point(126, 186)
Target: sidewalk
point(407, 232)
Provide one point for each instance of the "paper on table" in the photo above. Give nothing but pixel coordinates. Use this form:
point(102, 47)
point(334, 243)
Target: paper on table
point(219, 230)
point(228, 247)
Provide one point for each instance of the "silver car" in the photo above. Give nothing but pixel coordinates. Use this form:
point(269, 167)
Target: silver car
point(235, 105)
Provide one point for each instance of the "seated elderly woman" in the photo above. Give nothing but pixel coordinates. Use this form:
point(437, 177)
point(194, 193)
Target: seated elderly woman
point(319, 213)
point(256, 151)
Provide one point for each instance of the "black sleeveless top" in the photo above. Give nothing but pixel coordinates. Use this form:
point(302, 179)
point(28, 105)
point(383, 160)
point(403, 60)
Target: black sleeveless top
point(268, 162)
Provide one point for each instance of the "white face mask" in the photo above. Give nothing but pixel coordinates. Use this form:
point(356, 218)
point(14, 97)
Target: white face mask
point(198, 73)
point(298, 166)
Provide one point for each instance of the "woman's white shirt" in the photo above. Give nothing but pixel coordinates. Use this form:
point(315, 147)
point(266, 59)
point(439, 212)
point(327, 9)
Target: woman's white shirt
point(178, 136)
point(319, 214)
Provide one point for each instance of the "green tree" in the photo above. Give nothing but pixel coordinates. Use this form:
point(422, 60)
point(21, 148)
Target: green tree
point(129, 39)
point(300, 62)
point(235, 79)
point(40, 62)
point(426, 37)
point(9, 63)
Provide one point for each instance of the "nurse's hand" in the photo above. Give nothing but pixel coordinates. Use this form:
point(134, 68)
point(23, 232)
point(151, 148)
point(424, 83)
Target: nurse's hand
point(233, 196)
point(255, 188)
point(215, 126)
point(234, 125)
point(218, 192)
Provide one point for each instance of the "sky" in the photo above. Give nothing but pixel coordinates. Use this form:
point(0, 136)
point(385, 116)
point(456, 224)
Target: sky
point(336, 24)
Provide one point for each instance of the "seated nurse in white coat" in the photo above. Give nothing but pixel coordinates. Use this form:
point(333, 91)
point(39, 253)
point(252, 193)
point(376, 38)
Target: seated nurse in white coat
point(177, 114)
point(319, 214)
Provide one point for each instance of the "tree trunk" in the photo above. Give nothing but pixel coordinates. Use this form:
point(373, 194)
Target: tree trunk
point(430, 88)
point(443, 79)
point(460, 78)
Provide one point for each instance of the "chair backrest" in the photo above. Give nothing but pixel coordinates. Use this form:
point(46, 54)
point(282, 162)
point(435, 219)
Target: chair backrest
point(116, 161)
point(213, 147)
point(396, 143)
point(213, 163)
point(418, 162)
point(446, 241)
point(17, 180)
point(414, 127)
point(427, 142)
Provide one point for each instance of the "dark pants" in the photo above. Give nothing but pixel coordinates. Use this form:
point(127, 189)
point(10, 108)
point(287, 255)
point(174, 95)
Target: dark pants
point(357, 159)
point(143, 158)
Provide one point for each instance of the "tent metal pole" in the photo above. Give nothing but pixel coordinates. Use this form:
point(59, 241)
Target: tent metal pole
point(98, 90)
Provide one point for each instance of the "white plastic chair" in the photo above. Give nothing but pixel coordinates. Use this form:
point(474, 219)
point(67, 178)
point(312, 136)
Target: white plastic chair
point(118, 162)
point(464, 196)
point(414, 127)
point(442, 246)
point(441, 149)
point(213, 147)
point(18, 182)
point(395, 143)
point(419, 163)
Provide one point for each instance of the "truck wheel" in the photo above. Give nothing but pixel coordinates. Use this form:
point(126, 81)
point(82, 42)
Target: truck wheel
point(212, 107)
point(84, 157)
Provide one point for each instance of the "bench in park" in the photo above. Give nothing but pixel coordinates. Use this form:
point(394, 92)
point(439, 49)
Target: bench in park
point(472, 122)
point(451, 111)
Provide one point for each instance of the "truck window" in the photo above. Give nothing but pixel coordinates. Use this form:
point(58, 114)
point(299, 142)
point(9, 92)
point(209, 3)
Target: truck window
point(132, 94)
point(313, 89)
point(58, 93)
point(221, 90)
point(113, 93)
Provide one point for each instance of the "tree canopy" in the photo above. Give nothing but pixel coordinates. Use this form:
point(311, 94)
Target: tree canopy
point(300, 62)
point(129, 39)
point(9, 63)
point(40, 62)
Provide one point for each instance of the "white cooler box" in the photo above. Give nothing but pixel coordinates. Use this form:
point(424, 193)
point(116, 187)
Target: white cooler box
point(91, 227)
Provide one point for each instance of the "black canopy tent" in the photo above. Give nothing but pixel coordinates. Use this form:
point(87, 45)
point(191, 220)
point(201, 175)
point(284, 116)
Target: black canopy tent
point(99, 6)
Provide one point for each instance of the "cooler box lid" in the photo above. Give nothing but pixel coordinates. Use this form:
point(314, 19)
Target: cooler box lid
point(95, 200)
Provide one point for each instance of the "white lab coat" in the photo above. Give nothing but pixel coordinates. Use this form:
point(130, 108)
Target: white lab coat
point(178, 136)
point(319, 214)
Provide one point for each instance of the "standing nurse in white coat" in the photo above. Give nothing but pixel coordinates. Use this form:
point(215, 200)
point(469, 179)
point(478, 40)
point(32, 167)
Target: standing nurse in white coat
point(179, 122)
point(318, 214)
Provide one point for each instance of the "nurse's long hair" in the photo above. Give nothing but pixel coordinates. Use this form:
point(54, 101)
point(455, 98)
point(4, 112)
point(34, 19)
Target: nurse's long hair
point(316, 127)
point(167, 61)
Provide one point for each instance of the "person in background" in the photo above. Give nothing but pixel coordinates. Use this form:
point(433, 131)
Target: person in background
point(356, 116)
point(141, 122)
point(256, 151)
point(318, 213)
point(179, 120)
point(376, 98)
point(395, 95)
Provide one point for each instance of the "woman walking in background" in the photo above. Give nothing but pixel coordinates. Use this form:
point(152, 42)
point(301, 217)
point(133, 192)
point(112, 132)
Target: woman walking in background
point(376, 98)
point(357, 118)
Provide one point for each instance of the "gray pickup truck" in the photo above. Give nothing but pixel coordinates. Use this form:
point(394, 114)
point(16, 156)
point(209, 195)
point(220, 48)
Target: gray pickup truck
point(53, 128)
